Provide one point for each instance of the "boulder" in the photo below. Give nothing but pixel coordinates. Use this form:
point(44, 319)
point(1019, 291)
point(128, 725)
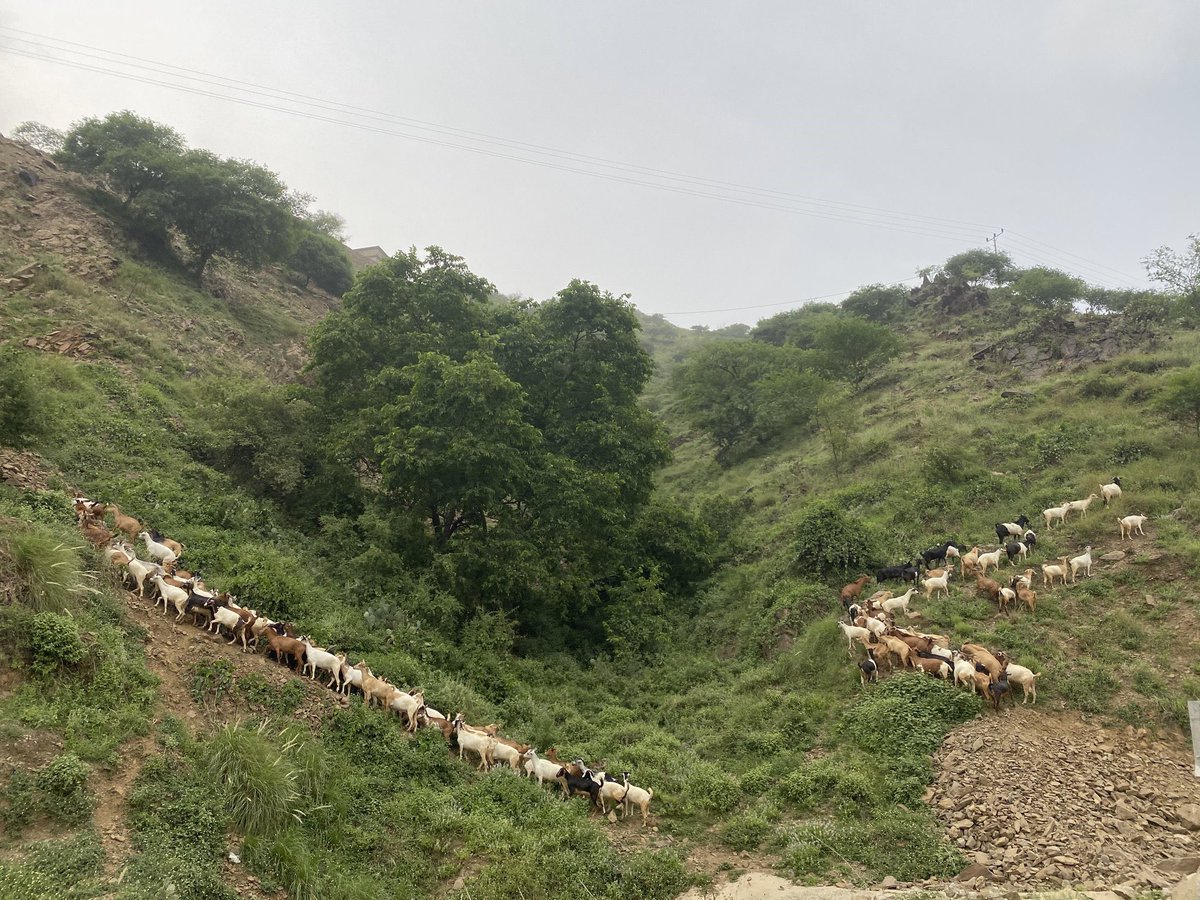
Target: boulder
point(973, 871)
point(1188, 889)
point(1180, 865)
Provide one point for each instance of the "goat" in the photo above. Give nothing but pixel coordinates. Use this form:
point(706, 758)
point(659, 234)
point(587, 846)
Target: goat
point(1056, 514)
point(320, 658)
point(868, 669)
point(851, 591)
point(987, 561)
point(542, 769)
point(855, 633)
point(1050, 572)
point(1130, 524)
point(96, 535)
point(479, 744)
point(1015, 528)
point(611, 790)
point(140, 569)
point(176, 596)
point(941, 583)
point(1005, 597)
point(933, 665)
point(938, 553)
point(224, 617)
point(351, 677)
point(897, 648)
point(1111, 491)
point(989, 587)
point(997, 690)
point(1015, 549)
point(1027, 596)
point(968, 559)
point(408, 705)
point(964, 671)
point(904, 572)
point(1081, 506)
point(585, 785)
point(509, 751)
point(161, 552)
point(283, 646)
point(123, 523)
point(175, 546)
point(636, 796)
point(376, 690)
point(873, 625)
point(1024, 677)
point(981, 656)
point(1025, 578)
point(1083, 561)
point(896, 604)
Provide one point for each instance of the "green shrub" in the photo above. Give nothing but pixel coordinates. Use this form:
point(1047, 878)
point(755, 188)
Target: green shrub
point(828, 542)
point(20, 411)
point(18, 882)
point(55, 642)
point(908, 714)
point(653, 874)
point(43, 569)
point(711, 788)
point(257, 780)
point(211, 680)
point(1090, 688)
point(745, 832)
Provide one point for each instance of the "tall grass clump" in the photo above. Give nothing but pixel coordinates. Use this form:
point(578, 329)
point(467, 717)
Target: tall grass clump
point(258, 780)
point(44, 571)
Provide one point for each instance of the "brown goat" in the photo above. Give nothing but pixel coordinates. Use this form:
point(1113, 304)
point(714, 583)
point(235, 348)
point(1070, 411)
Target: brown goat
point(981, 656)
point(851, 592)
point(283, 646)
point(128, 524)
point(988, 586)
point(96, 535)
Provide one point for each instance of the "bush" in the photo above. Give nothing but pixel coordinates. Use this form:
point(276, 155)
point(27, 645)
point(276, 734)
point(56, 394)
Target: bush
point(20, 412)
point(908, 714)
point(709, 787)
point(43, 570)
point(257, 780)
point(55, 642)
point(828, 542)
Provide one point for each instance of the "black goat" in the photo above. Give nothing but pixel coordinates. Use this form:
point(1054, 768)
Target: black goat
point(1003, 532)
point(937, 555)
point(903, 571)
point(584, 785)
point(997, 690)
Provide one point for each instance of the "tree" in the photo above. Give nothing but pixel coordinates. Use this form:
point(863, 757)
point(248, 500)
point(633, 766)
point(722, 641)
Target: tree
point(796, 326)
point(227, 206)
point(39, 136)
point(1180, 396)
point(1049, 289)
point(848, 348)
point(328, 223)
point(830, 543)
point(322, 259)
point(134, 153)
point(1180, 272)
point(980, 267)
point(877, 303)
point(455, 447)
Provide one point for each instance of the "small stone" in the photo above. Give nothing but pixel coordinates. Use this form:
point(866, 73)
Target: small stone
point(459, 884)
point(973, 871)
point(888, 883)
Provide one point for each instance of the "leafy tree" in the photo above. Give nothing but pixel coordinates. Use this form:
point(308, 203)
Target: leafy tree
point(837, 421)
point(678, 542)
point(327, 223)
point(796, 326)
point(877, 303)
point(455, 446)
point(980, 267)
point(322, 259)
point(1180, 396)
point(134, 153)
point(1049, 289)
point(1113, 300)
point(1180, 272)
point(39, 136)
point(746, 393)
point(849, 348)
point(227, 206)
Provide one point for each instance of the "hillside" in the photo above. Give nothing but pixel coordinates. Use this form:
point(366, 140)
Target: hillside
point(741, 708)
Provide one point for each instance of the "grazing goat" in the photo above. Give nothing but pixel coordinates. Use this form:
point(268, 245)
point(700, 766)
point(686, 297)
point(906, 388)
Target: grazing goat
point(1027, 596)
point(1081, 506)
point(933, 665)
point(941, 583)
point(1056, 514)
point(96, 535)
point(964, 671)
point(542, 769)
point(981, 656)
point(897, 648)
point(1111, 492)
point(968, 559)
point(868, 669)
point(1024, 677)
point(175, 546)
point(1130, 524)
point(408, 705)
point(1083, 561)
point(997, 690)
point(988, 587)
point(1015, 549)
point(585, 785)
point(1005, 597)
point(903, 572)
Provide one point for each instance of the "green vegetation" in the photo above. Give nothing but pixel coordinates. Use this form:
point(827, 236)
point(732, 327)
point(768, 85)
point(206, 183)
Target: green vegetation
point(475, 495)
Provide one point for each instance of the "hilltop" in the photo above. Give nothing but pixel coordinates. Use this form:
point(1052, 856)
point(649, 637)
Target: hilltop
point(708, 661)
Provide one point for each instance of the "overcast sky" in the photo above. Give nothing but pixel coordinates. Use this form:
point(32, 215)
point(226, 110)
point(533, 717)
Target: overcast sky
point(1074, 125)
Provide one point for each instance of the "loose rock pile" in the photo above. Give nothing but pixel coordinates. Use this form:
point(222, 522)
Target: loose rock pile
point(1044, 801)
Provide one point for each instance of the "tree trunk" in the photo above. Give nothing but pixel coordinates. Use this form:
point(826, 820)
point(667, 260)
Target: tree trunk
point(202, 263)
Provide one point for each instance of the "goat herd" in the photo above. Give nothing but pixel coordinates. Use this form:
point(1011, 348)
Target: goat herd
point(161, 579)
point(872, 621)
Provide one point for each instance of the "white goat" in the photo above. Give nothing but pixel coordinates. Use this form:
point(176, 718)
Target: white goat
point(319, 658)
point(987, 561)
point(161, 552)
point(1056, 514)
point(1026, 679)
point(1110, 492)
point(895, 604)
point(636, 796)
point(1059, 571)
point(940, 583)
point(479, 744)
point(542, 769)
point(408, 704)
point(1130, 524)
point(1083, 561)
point(1081, 506)
point(854, 633)
point(964, 672)
point(176, 596)
point(140, 570)
point(224, 616)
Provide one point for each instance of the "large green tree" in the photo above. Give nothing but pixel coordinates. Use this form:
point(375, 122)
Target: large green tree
point(227, 206)
point(321, 258)
point(135, 154)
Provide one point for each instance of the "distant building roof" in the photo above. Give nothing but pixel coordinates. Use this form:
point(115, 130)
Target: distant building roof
point(361, 257)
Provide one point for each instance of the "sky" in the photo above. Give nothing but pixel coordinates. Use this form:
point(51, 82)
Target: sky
point(718, 162)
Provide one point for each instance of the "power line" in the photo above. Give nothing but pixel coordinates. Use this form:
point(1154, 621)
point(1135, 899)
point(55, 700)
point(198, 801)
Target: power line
point(366, 112)
point(1084, 259)
point(829, 215)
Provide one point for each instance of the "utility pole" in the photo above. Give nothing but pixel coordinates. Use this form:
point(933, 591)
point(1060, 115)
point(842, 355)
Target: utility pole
point(995, 249)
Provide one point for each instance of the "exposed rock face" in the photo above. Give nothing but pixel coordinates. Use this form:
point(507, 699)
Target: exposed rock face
point(1064, 344)
point(1054, 800)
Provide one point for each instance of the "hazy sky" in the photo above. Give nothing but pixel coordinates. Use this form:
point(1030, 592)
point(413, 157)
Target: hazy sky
point(1075, 125)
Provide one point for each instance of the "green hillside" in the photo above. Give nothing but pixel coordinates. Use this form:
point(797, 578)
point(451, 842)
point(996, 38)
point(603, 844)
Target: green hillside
point(647, 577)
